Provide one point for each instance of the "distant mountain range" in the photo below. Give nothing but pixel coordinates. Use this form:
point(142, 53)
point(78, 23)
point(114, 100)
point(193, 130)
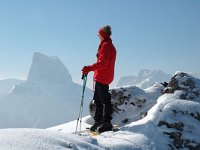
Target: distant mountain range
point(144, 79)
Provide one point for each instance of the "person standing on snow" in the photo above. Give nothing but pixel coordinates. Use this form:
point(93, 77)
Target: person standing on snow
point(103, 76)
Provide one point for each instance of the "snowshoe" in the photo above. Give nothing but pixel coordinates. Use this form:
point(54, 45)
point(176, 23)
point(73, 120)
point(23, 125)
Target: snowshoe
point(94, 127)
point(105, 127)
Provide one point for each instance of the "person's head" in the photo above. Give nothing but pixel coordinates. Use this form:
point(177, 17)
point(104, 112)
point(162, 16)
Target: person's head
point(105, 32)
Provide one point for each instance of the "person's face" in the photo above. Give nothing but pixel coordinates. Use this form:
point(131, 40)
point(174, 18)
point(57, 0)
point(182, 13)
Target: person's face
point(100, 37)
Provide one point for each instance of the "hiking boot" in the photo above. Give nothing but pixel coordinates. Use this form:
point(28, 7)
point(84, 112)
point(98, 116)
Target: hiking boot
point(95, 126)
point(107, 126)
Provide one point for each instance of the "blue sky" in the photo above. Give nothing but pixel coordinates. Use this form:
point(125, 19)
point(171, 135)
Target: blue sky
point(148, 34)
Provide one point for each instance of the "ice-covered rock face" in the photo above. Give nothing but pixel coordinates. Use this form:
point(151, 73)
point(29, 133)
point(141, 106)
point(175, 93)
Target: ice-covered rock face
point(48, 69)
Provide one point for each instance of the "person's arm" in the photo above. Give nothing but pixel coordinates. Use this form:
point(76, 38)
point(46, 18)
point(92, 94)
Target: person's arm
point(103, 60)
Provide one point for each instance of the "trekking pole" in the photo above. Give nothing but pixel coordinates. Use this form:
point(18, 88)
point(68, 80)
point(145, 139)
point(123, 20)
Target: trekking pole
point(84, 78)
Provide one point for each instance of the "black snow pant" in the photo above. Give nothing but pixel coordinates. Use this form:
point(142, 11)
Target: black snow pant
point(102, 100)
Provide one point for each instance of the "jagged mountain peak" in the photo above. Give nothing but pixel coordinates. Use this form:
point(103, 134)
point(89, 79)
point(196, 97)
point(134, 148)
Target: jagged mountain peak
point(48, 69)
point(48, 97)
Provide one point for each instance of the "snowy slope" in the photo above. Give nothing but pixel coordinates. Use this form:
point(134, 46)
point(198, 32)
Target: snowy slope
point(172, 123)
point(41, 139)
point(48, 97)
point(145, 78)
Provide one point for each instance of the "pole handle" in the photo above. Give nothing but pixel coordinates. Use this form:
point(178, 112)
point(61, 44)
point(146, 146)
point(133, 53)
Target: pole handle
point(83, 76)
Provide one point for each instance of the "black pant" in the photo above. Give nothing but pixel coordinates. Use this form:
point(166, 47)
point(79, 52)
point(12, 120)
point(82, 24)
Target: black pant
point(102, 99)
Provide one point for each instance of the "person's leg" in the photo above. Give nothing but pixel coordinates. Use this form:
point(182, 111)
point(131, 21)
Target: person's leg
point(108, 110)
point(98, 117)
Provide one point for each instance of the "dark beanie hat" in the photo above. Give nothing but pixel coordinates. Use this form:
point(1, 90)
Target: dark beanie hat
point(105, 31)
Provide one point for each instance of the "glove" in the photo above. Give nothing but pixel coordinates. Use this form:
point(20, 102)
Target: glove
point(86, 69)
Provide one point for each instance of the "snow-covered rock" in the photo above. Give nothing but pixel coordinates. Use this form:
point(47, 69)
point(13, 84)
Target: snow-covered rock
point(177, 114)
point(145, 78)
point(48, 97)
point(131, 103)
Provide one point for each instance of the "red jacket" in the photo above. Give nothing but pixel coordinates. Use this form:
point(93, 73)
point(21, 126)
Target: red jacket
point(104, 67)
